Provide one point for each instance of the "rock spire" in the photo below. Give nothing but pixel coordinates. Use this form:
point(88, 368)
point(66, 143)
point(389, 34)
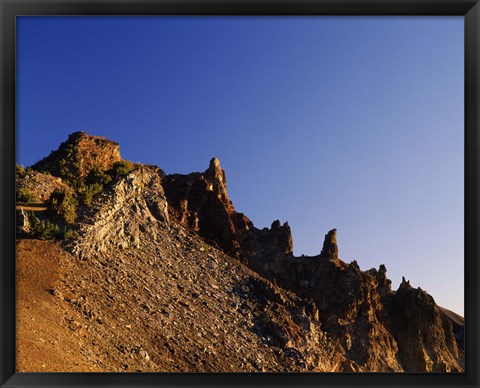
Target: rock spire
point(330, 248)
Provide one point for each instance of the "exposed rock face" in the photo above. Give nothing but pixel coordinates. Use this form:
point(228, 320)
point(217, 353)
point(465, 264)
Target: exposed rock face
point(174, 260)
point(378, 328)
point(458, 326)
point(384, 284)
point(200, 202)
point(425, 335)
point(132, 210)
point(215, 175)
point(78, 155)
point(263, 248)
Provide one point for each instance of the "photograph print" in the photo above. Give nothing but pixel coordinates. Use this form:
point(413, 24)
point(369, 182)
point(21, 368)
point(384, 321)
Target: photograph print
point(239, 194)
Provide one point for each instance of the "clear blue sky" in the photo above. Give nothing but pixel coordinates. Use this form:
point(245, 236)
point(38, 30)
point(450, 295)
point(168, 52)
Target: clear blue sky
point(354, 123)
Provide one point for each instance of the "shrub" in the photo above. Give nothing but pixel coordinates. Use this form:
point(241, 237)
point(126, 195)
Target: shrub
point(43, 230)
point(87, 192)
point(24, 195)
point(62, 206)
point(69, 234)
point(121, 168)
point(97, 175)
point(19, 171)
point(68, 170)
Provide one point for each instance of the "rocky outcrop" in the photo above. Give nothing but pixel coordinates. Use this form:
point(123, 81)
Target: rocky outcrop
point(330, 248)
point(458, 327)
point(200, 202)
point(78, 155)
point(132, 210)
point(262, 248)
point(379, 329)
point(356, 308)
point(384, 286)
point(425, 336)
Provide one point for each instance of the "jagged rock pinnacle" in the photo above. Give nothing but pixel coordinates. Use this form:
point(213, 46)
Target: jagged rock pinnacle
point(405, 283)
point(276, 224)
point(216, 175)
point(215, 163)
point(215, 172)
point(330, 248)
point(384, 284)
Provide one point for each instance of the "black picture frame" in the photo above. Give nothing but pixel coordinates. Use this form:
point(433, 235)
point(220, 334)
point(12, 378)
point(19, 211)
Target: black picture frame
point(9, 9)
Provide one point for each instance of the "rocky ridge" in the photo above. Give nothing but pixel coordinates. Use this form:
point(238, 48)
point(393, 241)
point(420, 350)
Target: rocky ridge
point(173, 254)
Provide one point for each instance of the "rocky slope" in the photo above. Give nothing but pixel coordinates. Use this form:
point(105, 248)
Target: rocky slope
point(38, 186)
point(164, 275)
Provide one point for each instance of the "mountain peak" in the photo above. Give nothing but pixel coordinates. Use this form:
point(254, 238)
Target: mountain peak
point(80, 153)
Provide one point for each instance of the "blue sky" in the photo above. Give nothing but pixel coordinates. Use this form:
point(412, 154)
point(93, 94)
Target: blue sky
point(354, 123)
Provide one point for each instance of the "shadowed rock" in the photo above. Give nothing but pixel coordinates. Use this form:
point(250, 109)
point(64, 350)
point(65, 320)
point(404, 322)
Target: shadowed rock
point(330, 248)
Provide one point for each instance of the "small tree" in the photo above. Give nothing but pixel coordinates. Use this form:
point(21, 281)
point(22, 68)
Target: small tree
point(87, 192)
point(23, 195)
point(69, 234)
point(62, 206)
point(43, 230)
point(97, 176)
point(121, 168)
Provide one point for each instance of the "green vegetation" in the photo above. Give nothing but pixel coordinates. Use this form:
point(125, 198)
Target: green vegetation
point(46, 230)
point(62, 206)
point(121, 168)
point(94, 183)
point(43, 230)
point(97, 176)
point(19, 171)
point(87, 192)
point(69, 234)
point(97, 179)
point(65, 170)
point(24, 195)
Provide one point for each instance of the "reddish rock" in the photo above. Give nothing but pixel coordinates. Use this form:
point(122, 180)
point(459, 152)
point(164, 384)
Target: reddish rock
point(200, 202)
point(78, 155)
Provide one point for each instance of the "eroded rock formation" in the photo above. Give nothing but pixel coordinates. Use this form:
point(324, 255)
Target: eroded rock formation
point(78, 155)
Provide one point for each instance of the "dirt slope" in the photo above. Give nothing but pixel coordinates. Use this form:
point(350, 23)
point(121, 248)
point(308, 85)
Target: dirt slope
point(47, 338)
point(181, 308)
